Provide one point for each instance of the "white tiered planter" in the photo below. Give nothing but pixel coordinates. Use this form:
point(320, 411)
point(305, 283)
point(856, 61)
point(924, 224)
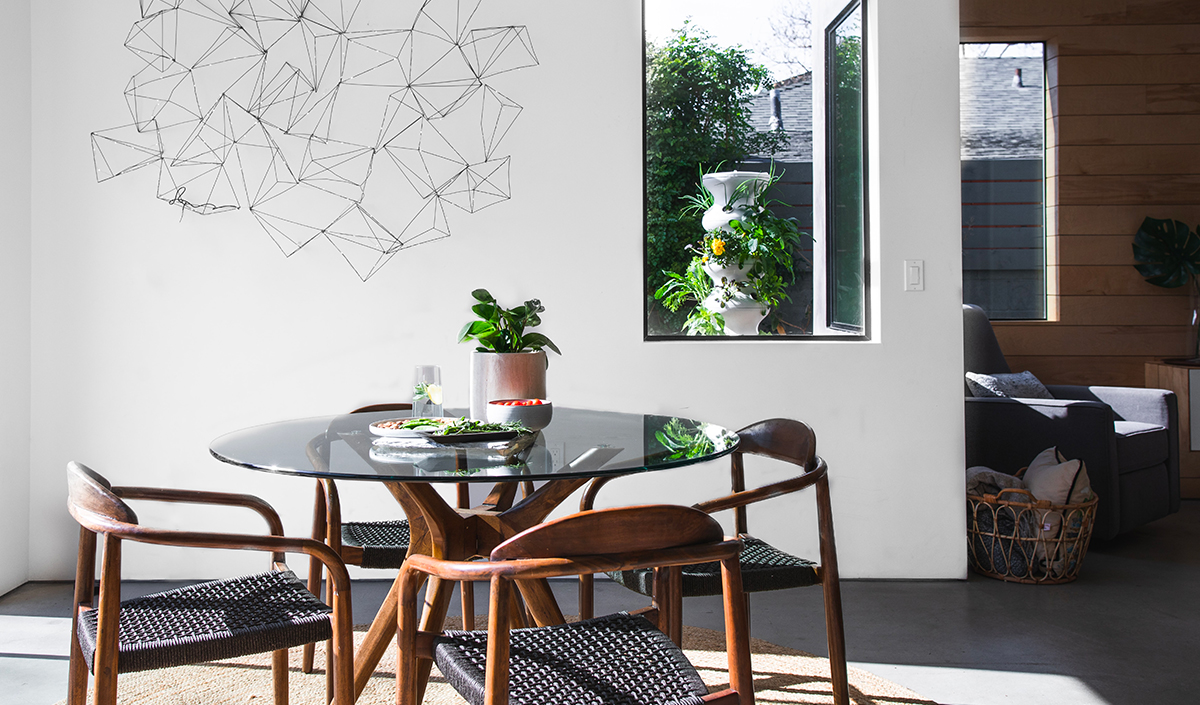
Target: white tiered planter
point(741, 311)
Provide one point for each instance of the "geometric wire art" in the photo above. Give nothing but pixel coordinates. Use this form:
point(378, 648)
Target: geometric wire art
point(356, 121)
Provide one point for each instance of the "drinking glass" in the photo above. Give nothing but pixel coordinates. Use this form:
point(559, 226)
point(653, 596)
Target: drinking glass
point(427, 391)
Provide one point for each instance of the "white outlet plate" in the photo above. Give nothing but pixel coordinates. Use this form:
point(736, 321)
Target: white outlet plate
point(557, 451)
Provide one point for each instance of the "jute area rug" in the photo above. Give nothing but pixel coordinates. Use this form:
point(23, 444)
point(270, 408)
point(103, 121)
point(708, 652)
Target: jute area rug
point(781, 675)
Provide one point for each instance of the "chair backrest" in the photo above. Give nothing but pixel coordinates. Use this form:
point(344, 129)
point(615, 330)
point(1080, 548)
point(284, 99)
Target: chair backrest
point(92, 502)
point(782, 439)
point(981, 350)
point(611, 531)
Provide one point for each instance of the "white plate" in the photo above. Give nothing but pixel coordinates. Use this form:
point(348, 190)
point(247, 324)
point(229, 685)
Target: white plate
point(404, 432)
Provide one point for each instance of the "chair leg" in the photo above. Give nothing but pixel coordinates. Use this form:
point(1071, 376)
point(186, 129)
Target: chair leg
point(316, 569)
point(831, 587)
point(587, 596)
point(749, 616)
point(836, 637)
point(105, 659)
point(77, 678)
point(309, 651)
point(516, 611)
point(467, 590)
point(279, 676)
point(668, 598)
point(85, 581)
point(330, 683)
point(497, 666)
point(340, 661)
point(737, 638)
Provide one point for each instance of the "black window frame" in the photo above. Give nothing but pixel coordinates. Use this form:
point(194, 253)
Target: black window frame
point(862, 329)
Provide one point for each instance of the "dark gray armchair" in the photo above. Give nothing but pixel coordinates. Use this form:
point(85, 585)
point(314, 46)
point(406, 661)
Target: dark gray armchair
point(1127, 436)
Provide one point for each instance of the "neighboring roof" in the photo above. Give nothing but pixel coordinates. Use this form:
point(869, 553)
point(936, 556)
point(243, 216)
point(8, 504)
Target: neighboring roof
point(998, 120)
point(795, 100)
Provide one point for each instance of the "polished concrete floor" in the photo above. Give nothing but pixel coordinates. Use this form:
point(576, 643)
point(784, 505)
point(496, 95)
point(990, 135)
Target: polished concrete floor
point(1127, 632)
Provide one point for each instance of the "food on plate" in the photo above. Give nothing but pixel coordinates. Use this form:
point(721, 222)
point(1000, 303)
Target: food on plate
point(428, 425)
point(448, 426)
point(464, 425)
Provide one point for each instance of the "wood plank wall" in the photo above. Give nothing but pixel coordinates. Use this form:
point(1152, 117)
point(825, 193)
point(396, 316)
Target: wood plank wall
point(1123, 142)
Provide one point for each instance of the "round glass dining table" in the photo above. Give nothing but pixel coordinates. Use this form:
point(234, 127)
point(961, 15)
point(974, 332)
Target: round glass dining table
point(576, 446)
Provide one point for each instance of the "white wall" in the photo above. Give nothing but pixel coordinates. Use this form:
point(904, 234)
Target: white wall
point(15, 76)
point(152, 335)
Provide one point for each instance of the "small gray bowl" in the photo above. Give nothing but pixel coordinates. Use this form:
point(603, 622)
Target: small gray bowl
point(535, 417)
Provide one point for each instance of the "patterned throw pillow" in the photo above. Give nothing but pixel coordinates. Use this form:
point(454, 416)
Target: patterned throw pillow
point(1016, 384)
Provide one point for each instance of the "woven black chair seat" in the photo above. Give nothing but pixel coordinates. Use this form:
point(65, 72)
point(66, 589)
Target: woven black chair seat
point(619, 659)
point(384, 543)
point(215, 620)
point(764, 567)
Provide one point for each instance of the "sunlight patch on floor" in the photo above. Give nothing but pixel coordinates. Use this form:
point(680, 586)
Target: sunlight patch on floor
point(991, 687)
point(35, 636)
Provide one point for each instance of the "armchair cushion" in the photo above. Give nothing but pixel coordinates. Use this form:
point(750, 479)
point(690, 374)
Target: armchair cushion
point(1128, 403)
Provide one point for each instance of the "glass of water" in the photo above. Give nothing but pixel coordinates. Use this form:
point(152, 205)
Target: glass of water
point(427, 391)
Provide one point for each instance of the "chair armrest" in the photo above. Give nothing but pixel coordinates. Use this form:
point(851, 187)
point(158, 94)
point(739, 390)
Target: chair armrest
point(1128, 403)
point(249, 501)
point(538, 568)
point(1006, 434)
point(274, 544)
point(768, 491)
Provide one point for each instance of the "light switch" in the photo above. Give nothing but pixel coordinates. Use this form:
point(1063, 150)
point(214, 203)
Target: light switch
point(914, 275)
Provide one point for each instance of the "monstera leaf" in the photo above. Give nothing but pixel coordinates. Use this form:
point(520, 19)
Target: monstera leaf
point(1168, 251)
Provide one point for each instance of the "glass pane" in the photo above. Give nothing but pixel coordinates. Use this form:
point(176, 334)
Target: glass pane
point(728, 93)
point(846, 185)
point(1002, 108)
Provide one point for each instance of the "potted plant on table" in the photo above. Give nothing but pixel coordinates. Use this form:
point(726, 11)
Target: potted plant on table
point(510, 361)
point(744, 262)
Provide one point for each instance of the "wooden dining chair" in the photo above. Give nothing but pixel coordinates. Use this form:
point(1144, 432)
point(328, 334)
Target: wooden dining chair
point(368, 544)
point(764, 567)
point(622, 658)
point(267, 612)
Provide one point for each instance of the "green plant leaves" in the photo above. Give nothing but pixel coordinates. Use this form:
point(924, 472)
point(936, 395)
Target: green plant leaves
point(476, 329)
point(537, 341)
point(1168, 252)
point(485, 311)
point(503, 330)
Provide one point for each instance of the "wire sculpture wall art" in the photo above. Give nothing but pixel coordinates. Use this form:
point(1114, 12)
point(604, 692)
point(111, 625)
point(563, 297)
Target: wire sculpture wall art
point(356, 121)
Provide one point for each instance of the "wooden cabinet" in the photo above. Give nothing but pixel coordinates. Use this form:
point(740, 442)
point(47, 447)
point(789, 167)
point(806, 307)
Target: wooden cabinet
point(1182, 379)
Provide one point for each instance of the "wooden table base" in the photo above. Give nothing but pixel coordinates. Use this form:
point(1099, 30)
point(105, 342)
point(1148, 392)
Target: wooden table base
point(439, 530)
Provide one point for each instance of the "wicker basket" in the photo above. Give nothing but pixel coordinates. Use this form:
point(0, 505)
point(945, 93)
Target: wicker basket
point(1011, 536)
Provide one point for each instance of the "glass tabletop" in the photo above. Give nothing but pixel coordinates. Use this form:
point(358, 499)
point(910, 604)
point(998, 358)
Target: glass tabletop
point(577, 443)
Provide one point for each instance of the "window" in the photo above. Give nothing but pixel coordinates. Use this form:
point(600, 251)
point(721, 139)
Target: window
point(846, 176)
point(729, 88)
point(1002, 108)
